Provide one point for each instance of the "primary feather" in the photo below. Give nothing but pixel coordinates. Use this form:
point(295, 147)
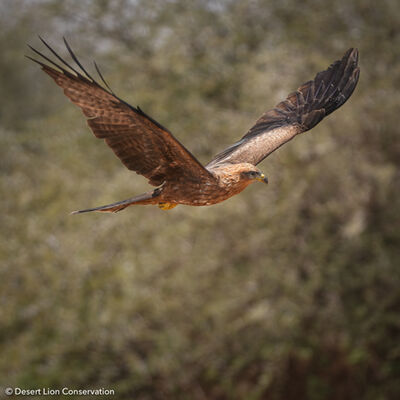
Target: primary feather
point(301, 111)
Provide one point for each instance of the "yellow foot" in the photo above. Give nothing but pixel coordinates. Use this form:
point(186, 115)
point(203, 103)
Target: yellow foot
point(166, 206)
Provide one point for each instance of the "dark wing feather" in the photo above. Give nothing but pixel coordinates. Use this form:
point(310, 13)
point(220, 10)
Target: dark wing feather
point(301, 111)
point(141, 143)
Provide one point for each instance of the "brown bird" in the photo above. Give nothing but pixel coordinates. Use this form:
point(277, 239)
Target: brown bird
point(146, 147)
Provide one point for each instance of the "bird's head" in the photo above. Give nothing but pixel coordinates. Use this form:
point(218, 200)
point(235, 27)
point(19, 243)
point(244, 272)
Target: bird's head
point(252, 173)
point(239, 175)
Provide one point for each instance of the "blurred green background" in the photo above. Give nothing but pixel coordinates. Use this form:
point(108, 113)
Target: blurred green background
point(290, 291)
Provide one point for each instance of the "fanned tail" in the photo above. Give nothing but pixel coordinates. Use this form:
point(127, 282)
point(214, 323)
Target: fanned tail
point(145, 198)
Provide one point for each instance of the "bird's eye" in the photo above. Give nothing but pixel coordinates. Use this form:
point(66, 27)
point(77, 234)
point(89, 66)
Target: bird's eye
point(249, 174)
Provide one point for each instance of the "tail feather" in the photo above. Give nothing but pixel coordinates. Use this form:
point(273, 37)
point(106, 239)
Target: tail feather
point(145, 198)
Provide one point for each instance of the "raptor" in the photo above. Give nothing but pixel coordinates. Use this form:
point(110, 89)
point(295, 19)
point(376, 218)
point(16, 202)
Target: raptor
point(146, 147)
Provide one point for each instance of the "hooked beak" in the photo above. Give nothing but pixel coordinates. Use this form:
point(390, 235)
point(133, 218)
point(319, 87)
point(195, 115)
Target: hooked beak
point(263, 178)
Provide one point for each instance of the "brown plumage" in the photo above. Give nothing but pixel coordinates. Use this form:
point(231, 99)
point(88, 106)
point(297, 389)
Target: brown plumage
point(146, 147)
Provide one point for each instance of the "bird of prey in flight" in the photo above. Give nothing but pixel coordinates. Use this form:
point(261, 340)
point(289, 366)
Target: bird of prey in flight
point(146, 147)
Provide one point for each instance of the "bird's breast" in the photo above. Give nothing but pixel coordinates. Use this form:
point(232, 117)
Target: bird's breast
point(203, 193)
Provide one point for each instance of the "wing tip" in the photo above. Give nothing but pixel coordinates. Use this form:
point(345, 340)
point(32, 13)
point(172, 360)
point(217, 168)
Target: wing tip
point(306, 106)
point(83, 75)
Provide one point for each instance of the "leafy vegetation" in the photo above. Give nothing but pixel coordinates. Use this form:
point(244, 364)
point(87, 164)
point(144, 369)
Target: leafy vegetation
point(285, 292)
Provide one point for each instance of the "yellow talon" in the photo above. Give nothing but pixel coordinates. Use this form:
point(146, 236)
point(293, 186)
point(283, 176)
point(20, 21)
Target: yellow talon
point(166, 206)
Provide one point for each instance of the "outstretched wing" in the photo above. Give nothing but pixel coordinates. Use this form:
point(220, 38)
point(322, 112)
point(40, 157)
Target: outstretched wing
point(140, 142)
point(301, 111)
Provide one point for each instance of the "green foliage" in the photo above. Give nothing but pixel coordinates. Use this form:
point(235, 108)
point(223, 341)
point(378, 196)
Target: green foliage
point(285, 292)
